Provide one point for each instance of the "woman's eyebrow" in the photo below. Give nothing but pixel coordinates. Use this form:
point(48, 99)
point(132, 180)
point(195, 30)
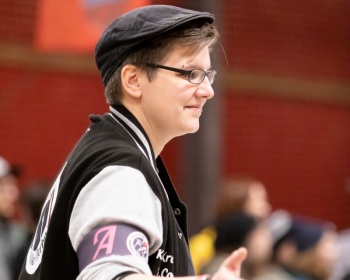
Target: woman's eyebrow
point(196, 66)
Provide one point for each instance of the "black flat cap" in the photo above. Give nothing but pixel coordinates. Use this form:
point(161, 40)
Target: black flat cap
point(128, 32)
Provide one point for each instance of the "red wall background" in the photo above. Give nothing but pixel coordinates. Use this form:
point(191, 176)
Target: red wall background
point(298, 145)
point(299, 150)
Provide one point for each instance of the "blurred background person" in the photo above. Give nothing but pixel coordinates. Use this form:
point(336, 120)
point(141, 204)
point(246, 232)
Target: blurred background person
point(304, 248)
point(243, 194)
point(237, 230)
point(341, 269)
point(238, 194)
point(12, 233)
point(31, 201)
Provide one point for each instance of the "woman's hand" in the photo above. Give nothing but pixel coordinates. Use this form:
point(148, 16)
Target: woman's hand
point(230, 269)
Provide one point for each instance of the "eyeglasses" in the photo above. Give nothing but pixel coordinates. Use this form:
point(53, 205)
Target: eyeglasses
point(195, 76)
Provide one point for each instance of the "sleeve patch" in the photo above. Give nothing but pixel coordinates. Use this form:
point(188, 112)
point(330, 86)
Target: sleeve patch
point(113, 239)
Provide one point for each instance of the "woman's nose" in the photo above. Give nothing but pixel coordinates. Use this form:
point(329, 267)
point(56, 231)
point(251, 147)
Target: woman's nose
point(205, 89)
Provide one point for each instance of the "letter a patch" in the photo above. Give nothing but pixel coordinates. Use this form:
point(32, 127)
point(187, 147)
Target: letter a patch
point(106, 240)
point(112, 240)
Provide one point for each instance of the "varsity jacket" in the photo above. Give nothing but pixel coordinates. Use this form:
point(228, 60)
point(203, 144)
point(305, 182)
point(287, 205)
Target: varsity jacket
point(112, 139)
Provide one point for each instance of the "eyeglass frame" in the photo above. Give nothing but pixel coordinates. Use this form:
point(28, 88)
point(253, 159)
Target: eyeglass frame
point(210, 74)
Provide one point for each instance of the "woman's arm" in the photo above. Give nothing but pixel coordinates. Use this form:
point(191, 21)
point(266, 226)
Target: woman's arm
point(230, 269)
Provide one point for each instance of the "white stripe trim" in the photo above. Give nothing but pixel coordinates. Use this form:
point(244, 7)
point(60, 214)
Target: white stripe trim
point(138, 145)
point(138, 133)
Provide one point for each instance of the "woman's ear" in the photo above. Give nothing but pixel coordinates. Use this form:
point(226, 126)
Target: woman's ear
point(130, 75)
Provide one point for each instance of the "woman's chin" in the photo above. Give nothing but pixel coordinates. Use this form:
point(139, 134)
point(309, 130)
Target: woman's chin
point(192, 129)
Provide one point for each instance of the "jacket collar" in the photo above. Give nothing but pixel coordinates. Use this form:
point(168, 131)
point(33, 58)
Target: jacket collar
point(136, 131)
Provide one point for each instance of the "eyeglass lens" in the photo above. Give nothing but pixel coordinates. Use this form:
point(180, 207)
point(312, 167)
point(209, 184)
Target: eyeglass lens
point(197, 76)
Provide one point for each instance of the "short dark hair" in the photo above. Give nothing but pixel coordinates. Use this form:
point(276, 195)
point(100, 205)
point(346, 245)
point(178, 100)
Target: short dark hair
point(193, 36)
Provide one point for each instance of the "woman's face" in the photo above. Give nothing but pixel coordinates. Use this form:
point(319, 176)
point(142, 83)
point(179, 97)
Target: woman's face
point(9, 194)
point(257, 203)
point(171, 105)
point(259, 244)
point(326, 251)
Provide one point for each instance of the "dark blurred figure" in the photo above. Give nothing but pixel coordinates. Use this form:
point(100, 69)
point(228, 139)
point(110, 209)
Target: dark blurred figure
point(237, 230)
point(12, 234)
point(31, 202)
point(238, 194)
point(304, 249)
